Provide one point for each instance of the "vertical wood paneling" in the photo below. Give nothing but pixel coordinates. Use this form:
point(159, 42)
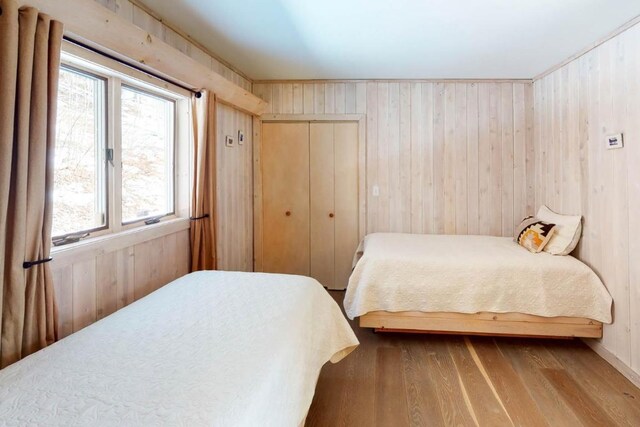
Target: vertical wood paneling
point(449, 174)
point(340, 98)
point(350, 98)
point(484, 162)
point(473, 133)
point(94, 286)
point(633, 189)
point(83, 279)
point(495, 160)
point(106, 284)
point(393, 159)
point(460, 159)
point(145, 270)
point(519, 156)
point(63, 285)
point(417, 158)
point(309, 101)
point(575, 108)
point(125, 274)
point(372, 155)
point(446, 157)
point(383, 222)
point(298, 101)
point(438, 158)
point(287, 98)
point(530, 149)
point(405, 157)
point(361, 98)
point(329, 98)
point(426, 117)
point(318, 98)
point(507, 167)
point(234, 183)
point(276, 99)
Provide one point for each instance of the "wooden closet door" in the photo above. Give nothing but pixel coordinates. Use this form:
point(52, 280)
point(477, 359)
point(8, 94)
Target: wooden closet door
point(285, 197)
point(346, 200)
point(322, 174)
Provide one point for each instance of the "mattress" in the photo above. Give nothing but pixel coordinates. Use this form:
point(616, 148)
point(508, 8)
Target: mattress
point(211, 348)
point(470, 274)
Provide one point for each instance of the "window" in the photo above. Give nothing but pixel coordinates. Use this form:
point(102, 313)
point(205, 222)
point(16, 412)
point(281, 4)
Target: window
point(116, 158)
point(147, 155)
point(80, 189)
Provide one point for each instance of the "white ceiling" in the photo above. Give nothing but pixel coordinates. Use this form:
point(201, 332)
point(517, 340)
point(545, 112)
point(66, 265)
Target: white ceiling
point(395, 39)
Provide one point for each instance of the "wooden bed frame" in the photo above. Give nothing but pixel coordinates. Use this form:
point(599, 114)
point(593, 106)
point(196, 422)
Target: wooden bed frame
point(500, 324)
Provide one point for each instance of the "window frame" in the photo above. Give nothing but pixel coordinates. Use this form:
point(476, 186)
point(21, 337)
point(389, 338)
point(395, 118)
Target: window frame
point(116, 75)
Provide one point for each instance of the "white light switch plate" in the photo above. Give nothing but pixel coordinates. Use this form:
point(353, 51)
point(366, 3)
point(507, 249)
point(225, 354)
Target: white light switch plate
point(376, 191)
point(240, 137)
point(614, 141)
point(228, 141)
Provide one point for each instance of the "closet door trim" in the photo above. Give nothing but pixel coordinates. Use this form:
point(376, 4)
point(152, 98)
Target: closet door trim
point(257, 170)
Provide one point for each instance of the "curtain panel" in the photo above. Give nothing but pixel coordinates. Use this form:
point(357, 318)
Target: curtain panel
point(203, 237)
point(30, 45)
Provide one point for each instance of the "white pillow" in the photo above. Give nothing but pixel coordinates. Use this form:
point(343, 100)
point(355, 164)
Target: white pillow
point(567, 234)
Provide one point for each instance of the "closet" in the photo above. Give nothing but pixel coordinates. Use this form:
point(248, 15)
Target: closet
point(310, 199)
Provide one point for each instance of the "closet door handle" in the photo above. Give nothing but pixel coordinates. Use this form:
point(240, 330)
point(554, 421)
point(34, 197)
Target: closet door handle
point(288, 213)
point(331, 215)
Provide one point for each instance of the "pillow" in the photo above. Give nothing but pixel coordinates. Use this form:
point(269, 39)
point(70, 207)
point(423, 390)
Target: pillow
point(567, 235)
point(533, 234)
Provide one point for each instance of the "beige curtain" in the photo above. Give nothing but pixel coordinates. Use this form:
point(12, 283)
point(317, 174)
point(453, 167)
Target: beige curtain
point(203, 234)
point(30, 46)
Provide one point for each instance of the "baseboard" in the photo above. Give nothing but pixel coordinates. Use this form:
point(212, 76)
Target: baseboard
point(620, 366)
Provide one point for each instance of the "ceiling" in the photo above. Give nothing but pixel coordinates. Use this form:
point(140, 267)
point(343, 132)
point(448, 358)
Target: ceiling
point(395, 39)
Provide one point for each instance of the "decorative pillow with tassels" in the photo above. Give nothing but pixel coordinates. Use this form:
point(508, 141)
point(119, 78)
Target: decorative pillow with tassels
point(533, 234)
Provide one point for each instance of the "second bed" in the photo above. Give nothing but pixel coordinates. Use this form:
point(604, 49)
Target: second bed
point(473, 285)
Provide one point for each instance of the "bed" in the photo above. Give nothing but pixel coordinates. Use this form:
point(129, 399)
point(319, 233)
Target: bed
point(473, 285)
point(211, 348)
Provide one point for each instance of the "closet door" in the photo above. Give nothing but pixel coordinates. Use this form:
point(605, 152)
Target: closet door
point(285, 197)
point(322, 184)
point(345, 199)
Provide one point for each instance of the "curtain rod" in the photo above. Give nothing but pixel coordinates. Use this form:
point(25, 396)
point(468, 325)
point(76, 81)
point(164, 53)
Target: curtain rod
point(197, 93)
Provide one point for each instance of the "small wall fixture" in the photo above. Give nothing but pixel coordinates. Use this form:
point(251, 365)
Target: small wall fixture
point(614, 141)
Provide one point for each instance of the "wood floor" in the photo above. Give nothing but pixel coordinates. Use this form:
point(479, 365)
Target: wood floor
point(430, 380)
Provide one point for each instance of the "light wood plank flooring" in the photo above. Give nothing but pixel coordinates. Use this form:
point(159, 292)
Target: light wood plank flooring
point(432, 380)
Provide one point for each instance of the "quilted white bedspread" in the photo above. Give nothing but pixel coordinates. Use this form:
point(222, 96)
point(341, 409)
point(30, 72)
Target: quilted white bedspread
point(211, 348)
point(470, 274)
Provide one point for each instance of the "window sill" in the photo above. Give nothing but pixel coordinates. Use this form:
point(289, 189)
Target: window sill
point(92, 247)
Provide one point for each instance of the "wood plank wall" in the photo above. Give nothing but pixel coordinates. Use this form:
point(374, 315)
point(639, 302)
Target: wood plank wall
point(576, 107)
point(92, 286)
point(447, 157)
point(139, 17)
point(234, 193)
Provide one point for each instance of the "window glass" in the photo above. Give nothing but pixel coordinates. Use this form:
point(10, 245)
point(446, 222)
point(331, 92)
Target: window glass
point(79, 196)
point(147, 155)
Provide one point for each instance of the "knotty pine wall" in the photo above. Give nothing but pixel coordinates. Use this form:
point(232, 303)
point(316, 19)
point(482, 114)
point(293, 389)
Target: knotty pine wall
point(448, 157)
point(576, 107)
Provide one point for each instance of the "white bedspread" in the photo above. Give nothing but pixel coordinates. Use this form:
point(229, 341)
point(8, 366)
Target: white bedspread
point(211, 348)
point(471, 274)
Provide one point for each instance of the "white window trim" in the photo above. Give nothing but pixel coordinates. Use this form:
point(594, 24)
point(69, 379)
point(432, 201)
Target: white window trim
point(117, 74)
